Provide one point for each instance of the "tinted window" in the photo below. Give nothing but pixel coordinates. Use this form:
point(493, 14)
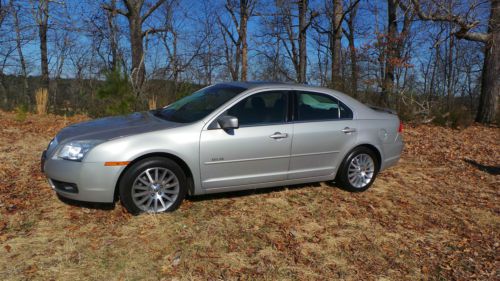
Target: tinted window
point(262, 108)
point(314, 106)
point(198, 105)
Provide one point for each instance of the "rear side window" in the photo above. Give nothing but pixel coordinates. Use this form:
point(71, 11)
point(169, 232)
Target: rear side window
point(315, 106)
point(260, 109)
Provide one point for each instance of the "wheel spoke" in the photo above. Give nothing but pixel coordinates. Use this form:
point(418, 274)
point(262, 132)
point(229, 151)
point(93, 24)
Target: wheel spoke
point(148, 204)
point(143, 181)
point(140, 202)
point(170, 178)
point(140, 194)
point(169, 191)
point(165, 172)
point(161, 202)
point(140, 187)
point(169, 199)
point(149, 176)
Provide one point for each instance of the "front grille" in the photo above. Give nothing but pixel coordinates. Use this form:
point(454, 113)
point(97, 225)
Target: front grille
point(64, 186)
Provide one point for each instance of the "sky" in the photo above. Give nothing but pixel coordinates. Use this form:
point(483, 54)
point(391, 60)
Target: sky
point(79, 15)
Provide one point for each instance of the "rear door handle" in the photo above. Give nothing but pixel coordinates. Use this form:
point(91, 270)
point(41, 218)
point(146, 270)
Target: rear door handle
point(348, 130)
point(279, 135)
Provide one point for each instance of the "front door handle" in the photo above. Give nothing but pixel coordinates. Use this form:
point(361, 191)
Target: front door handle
point(279, 135)
point(348, 130)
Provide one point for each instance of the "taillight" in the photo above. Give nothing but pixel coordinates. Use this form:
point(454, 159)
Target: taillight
point(400, 129)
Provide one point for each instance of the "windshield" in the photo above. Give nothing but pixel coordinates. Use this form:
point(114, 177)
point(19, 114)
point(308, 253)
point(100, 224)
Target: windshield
point(198, 105)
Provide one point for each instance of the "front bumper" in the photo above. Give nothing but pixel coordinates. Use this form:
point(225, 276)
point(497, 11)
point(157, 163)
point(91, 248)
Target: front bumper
point(94, 181)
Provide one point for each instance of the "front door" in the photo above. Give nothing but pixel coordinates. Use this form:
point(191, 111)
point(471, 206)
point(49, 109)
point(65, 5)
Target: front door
point(257, 152)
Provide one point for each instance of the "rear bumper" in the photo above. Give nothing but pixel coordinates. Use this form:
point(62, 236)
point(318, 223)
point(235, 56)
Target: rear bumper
point(94, 181)
point(392, 153)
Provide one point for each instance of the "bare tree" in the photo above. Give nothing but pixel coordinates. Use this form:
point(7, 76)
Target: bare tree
point(350, 34)
point(336, 13)
point(235, 36)
point(113, 36)
point(4, 11)
point(136, 17)
point(336, 47)
point(105, 33)
point(490, 86)
point(41, 15)
point(22, 61)
point(394, 43)
point(274, 53)
point(178, 60)
point(210, 57)
point(295, 41)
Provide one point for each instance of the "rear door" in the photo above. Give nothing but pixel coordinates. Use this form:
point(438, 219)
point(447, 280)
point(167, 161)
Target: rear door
point(257, 152)
point(323, 130)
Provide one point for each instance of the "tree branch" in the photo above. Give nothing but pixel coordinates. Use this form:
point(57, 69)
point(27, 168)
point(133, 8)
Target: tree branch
point(152, 9)
point(153, 30)
point(230, 9)
point(114, 10)
point(445, 15)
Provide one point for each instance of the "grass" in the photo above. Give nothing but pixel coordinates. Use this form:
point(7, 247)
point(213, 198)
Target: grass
point(434, 216)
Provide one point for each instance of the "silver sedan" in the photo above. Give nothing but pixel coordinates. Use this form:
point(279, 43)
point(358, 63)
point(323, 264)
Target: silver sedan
point(225, 137)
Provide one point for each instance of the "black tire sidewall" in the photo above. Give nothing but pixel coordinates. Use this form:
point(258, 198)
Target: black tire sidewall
point(126, 182)
point(342, 177)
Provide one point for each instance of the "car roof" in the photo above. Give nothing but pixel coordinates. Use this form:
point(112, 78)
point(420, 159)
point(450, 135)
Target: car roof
point(255, 84)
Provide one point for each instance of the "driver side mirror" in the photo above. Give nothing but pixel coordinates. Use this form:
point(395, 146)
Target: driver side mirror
point(228, 122)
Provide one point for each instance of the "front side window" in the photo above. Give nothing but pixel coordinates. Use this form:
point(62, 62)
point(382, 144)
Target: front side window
point(198, 105)
point(259, 109)
point(315, 106)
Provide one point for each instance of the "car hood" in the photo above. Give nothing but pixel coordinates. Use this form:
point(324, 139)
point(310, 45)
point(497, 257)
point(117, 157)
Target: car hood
point(114, 127)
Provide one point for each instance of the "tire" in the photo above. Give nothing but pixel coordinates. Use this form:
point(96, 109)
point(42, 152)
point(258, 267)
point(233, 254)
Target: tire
point(358, 170)
point(153, 185)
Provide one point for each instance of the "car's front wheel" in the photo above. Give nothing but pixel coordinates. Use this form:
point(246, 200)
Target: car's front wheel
point(152, 185)
point(358, 170)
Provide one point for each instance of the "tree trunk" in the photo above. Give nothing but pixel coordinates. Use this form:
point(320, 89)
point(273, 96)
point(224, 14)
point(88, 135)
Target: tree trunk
point(449, 74)
point(354, 66)
point(3, 92)
point(42, 33)
point(25, 95)
point(135, 20)
point(244, 14)
point(391, 50)
point(335, 44)
point(352, 52)
point(113, 44)
point(302, 7)
point(490, 86)
point(135, 27)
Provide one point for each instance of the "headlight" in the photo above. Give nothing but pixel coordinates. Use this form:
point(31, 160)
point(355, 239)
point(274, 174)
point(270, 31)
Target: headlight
point(76, 150)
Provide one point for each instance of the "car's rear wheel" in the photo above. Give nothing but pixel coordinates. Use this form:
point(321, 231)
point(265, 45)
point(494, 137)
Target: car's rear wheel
point(358, 170)
point(152, 185)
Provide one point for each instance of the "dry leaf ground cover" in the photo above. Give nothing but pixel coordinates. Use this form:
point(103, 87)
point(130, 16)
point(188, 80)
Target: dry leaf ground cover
point(434, 216)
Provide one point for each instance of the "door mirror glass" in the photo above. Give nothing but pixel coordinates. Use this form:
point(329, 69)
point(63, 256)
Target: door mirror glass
point(228, 122)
